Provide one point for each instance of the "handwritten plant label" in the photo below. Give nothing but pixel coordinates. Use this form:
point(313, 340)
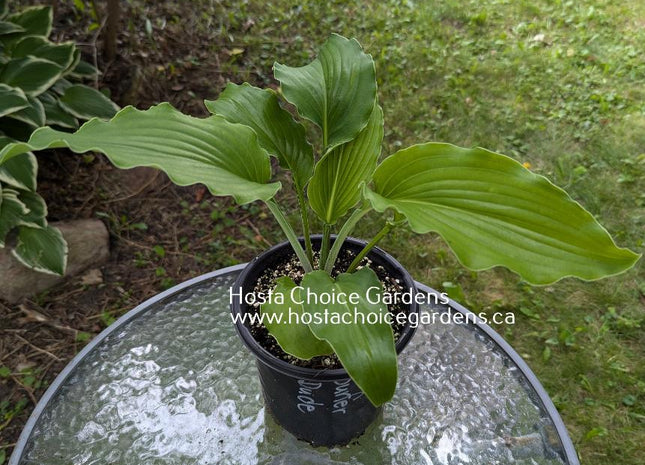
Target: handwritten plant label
point(307, 390)
point(343, 396)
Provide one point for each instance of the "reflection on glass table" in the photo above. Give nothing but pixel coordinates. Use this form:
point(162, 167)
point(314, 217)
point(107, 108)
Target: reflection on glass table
point(171, 383)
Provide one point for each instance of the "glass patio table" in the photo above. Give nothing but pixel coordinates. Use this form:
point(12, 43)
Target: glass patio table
point(171, 383)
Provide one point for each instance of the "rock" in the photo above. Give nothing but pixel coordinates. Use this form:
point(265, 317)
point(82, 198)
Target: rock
point(88, 243)
point(92, 277)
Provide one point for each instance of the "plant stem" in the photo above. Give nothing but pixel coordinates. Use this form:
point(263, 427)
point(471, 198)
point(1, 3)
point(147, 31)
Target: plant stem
point(304, 214)
point(342, 235)
point(386, 229)
point(291, 235)
point(324, 246)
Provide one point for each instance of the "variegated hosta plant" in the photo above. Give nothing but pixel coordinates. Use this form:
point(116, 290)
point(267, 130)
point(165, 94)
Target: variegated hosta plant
point(489, 208)
point(40, 84)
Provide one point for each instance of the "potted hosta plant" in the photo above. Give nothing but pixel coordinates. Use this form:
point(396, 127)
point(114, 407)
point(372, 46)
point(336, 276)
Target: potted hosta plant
point(320, 374)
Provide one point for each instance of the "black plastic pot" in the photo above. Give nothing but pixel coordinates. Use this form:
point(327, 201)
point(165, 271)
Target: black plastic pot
point(322, 407)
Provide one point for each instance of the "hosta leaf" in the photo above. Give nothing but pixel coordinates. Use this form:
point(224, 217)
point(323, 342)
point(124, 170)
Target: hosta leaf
point(12, 99)
point(28, 45)
point(367, 351)
point(76, 58)
point(36, 21)
point(84, 70)
point(12, 211)
point(61, 86)
point(54, 113)
point(225, 157)
point(7, 27)
point(335, 185)
point(3, 8)
point(42, 249)
point(336, 91)
point(39, 47)
point(16, 129)
point(492, 211)
point(277, 131)
point(36, 216)
point(56, 116)
point(19, 172)
point(83, 102)
point(33, 75)
point(295, 338)
point(48, 97)
point(33, 114)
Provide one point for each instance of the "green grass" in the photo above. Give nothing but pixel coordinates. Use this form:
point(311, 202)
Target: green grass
point(557, 85)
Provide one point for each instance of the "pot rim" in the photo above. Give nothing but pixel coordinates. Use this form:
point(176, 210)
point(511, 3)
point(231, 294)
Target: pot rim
point(264, 356)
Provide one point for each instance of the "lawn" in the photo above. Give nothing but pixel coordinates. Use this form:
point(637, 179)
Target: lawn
point(559, 86)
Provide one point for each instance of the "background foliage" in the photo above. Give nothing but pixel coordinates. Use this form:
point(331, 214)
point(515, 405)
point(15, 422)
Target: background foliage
point(40, 84)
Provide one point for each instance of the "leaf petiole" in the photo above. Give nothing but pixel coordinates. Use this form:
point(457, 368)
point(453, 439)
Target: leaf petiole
point(324, 246)
point(343, 233)
point(291, 235)
point(304, 214)
point(386, 229)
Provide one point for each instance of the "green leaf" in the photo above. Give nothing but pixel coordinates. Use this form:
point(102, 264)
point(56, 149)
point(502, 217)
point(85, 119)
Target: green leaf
point(7, 27)
point(598, 431)
point(33, 75)
point(15, 129)
point(493, 211)
point(12, 99)
point(39, 47)
point(295, 338)
point(42, 249)
point(367, 351)
point(19, 172)
point(159, 250)
point(54, 113)
point(11, 212)
point(277, 131)
point(80, 6)
point(454, 291)
point(336, 91)
point(546, 354)
point(84, 103)
point(37, 214)
point(225, 157)
point(76, 58)
point(336, 184)
point(61, 86)
point(3, 8)
point(36, 21)
point(56, 116)
point(84, 70)
point(33, 115)
point(629, 400)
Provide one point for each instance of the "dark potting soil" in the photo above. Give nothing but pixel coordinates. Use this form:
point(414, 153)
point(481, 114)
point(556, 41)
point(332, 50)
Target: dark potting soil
point(291, 267)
